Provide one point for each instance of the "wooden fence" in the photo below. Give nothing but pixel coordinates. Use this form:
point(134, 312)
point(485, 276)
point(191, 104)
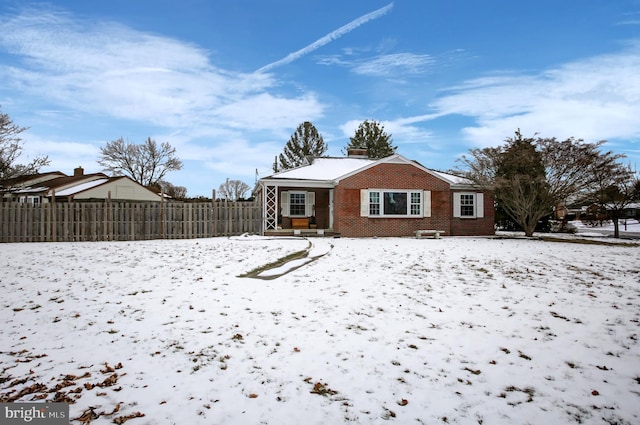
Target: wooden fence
point(120, 221)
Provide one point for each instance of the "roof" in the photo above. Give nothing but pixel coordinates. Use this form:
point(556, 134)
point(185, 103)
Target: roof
point(30, 179)
point(451, 178)
point(324, 168)
point(329, 170)
point(79, 188)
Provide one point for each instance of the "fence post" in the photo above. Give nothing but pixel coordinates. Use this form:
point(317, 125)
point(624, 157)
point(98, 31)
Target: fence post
point(214, 224)
point(53, 222)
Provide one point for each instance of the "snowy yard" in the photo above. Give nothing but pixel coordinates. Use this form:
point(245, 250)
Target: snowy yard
point(390, 330)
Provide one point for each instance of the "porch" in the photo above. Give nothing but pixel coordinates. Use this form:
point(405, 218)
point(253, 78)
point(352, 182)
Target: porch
point(297, 211)
point(305, 233)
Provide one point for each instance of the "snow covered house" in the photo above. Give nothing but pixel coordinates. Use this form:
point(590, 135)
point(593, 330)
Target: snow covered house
point(356, 196)
point(41, 188)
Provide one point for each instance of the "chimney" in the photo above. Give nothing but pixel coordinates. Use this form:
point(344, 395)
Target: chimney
point(79, 171)
point(357, 153)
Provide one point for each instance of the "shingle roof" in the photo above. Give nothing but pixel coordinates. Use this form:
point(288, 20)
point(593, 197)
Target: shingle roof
point(330, 169)
point(324, 168)
point(83, 186)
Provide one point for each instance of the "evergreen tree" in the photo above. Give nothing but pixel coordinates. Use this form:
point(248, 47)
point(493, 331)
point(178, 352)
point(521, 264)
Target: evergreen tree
point(306, 141)
point(521, 188)
point(371, 135)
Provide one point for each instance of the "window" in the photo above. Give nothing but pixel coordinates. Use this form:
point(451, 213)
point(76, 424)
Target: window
point(374, 203)
point(393, 203)
point(33, 200)
point(297, 204)
point(416, 203)
point(468, 205)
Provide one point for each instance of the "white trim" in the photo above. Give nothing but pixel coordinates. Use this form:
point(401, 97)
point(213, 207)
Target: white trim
point(382, 192)
point(288, 208)
point(478, 205)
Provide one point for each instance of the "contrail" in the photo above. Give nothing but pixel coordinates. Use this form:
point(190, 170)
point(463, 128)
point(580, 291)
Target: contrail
point(329, 37)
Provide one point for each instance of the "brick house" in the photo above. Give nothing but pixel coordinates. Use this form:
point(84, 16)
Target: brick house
point(356, 196)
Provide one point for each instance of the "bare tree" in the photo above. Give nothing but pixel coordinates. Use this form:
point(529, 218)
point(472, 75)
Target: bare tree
point(146, 163)
point(169, 189)
point(617, 187)
point(233, 190)
point(11, 149)
point(531, 176)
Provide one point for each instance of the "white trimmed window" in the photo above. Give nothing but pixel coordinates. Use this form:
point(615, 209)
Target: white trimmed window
point(395, 203)
point(468, 205)
point(33, 200)
point(297, 203)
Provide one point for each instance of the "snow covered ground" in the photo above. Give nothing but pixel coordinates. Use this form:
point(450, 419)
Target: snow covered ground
point(390, 330)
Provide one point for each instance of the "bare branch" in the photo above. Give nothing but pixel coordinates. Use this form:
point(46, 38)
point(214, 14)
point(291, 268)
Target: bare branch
point(145, 163)
point(11, 149)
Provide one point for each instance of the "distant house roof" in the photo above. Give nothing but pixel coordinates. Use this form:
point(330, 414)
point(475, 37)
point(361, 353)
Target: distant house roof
point(29, 179)
point(81, 187)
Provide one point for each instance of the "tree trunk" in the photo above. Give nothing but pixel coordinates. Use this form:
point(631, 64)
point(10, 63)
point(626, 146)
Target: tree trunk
point(529, 229)
point(616, 227)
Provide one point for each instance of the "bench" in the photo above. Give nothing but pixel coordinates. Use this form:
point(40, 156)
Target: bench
point(435, 233)
point(300, 223)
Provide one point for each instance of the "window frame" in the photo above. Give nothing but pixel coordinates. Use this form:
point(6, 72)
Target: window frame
point(477, 208)
point(413, 209)
point(299, 194)
point(30, 199)
point(467, 205)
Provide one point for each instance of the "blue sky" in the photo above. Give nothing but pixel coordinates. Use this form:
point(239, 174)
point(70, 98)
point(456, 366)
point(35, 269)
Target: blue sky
point(227, 83)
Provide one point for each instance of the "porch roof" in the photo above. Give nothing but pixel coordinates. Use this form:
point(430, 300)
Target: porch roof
point(322, 172)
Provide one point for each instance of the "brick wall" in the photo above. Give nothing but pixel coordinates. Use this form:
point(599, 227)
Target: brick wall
point(347, 220)
point(476, 226)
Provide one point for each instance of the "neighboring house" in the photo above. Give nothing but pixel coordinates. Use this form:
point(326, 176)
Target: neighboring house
point(356, 196)
point(41, 188)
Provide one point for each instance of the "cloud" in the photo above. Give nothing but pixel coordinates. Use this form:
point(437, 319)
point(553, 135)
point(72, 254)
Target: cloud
point(333, 35)
point(106, 79)
point(394, 64)
point(630, 18)
point(83, 154)
point(595, 98)
point(107, 69)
